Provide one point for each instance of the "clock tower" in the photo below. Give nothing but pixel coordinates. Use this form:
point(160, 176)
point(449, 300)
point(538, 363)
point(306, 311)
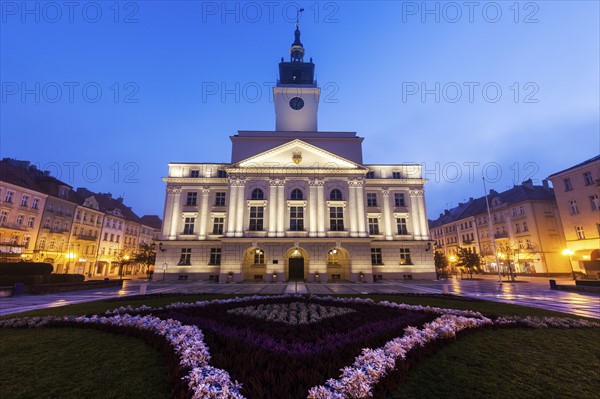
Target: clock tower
point(296, 95)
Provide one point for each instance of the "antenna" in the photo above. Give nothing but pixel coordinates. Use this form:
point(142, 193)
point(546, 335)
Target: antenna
point(298, 14)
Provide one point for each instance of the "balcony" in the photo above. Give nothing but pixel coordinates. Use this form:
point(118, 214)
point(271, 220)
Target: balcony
point(500, 235)
point(467, 242)
point(13, 226)
point(87, 237)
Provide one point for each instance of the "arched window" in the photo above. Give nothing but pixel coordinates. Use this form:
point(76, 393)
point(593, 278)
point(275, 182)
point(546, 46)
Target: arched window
point(297, 194)
point(257, 193)
point(335, 195)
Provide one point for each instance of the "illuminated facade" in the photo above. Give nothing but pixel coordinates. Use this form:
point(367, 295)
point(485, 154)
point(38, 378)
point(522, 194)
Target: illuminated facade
point(295, 203)
point(526, 226)
point(578, 199)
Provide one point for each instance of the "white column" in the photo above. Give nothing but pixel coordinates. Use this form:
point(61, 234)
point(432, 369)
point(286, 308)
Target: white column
point(415, 214)
point(168, 215)
point(312, 210)
point(387, 214)
point(241, 208)
point(281, 208)
point(423, 216)
point(231, 210)
point(352, 208)
point(204, 213)
point(360, 205)
point(320, 208)
point(176, 212)
point(272, 208)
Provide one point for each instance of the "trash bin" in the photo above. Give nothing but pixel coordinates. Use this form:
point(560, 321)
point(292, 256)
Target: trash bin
point(143, 289)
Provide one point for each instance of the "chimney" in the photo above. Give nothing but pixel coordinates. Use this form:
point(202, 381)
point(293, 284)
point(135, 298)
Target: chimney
point(528, 184)
point(545, 184)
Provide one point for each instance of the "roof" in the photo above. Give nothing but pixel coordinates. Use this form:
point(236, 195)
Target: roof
point(594, 159)
point(525, 192)
point(108, 204)
point(151, 221)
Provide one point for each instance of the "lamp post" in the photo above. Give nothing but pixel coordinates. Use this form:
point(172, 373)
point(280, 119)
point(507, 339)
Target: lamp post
point(123, 262)
point(452, 260)
point(164, 270)
point(569, 253)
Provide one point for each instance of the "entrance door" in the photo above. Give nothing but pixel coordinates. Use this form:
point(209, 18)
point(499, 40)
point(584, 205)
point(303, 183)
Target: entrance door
point(296, 268)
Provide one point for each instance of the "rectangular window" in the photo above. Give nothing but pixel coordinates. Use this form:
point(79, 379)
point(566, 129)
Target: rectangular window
point(105, 235)
point(396, 175)
point(24, 200)
point(399, 199)
point(525, 227)
point(376, 256)
point(296, 218)
point(573, 207)
point(118, 238)
point(31, 221)
point(215, 256)
point(370, 175)
point(401, 224)
point(580, 232)
point(35, 203)
point(220, 199)
point(188, 226)
point(256, 218)
point(587, 178)
point(221, 174)
point(595, 201)
point(518, 227)
point(218, 226)
point(568, 185)
point(20, 219)
point(112, 237)
point(9, 196)
point(405, 256)
point(514, 212)
point(371, 199)
point(194, 173)
point(192, 199)
point(3, 217)
point(186, 256)
point(521, 210)
point(373, 226)
point(336, 218)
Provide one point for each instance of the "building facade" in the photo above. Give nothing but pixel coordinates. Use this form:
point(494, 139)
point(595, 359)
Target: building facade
point(295, 203)
point(525, 224)
point(578, 197)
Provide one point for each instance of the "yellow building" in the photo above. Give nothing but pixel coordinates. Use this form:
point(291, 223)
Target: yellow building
point(525, 226)
point(577, 194)
point(22, 203)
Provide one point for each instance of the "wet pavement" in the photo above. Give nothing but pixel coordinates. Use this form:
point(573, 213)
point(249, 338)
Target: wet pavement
point(527, 291)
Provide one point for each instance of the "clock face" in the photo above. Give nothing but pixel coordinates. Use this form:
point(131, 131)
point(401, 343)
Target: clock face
point(296, 103)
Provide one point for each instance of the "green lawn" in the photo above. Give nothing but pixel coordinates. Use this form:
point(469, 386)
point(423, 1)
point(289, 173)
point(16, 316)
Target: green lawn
point(522, 363)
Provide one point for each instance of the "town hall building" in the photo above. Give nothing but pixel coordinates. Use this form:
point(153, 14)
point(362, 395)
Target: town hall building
point(295, 204)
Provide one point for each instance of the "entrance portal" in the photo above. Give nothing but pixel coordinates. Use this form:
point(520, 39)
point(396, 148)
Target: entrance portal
point(296, 268)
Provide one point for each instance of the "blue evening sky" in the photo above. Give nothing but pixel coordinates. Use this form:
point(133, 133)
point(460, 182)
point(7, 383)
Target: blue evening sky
point(105, 94)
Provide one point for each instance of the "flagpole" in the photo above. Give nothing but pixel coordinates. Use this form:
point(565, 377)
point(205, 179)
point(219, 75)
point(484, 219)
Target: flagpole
point(491, 229)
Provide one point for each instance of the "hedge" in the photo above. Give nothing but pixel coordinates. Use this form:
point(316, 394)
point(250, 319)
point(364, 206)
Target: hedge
point(25, 268)
point(41, 279)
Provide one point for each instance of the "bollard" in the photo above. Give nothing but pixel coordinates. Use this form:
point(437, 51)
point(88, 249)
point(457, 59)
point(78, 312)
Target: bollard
point(445, 289)
point(143, 289)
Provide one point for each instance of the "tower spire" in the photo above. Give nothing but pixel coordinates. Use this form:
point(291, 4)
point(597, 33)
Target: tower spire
point(297, 49)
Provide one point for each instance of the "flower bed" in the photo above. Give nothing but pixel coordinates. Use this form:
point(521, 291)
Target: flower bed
point(277, 358)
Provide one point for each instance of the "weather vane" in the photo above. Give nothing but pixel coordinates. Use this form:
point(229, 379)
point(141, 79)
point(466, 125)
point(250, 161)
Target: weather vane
point(298, 14)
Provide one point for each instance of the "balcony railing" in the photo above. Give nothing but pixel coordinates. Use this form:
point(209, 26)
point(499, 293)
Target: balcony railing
point(87, 237)
point(500, 235)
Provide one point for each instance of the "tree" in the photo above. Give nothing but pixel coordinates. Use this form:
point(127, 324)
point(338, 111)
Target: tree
point(146, 256)
point(441, 263)
point(468, 260)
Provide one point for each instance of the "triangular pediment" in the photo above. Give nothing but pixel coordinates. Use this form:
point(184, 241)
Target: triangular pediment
point(298, 154)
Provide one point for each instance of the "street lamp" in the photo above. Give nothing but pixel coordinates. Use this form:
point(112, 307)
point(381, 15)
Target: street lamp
point(70, 256)
point(569, 253)
point(123, 262)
